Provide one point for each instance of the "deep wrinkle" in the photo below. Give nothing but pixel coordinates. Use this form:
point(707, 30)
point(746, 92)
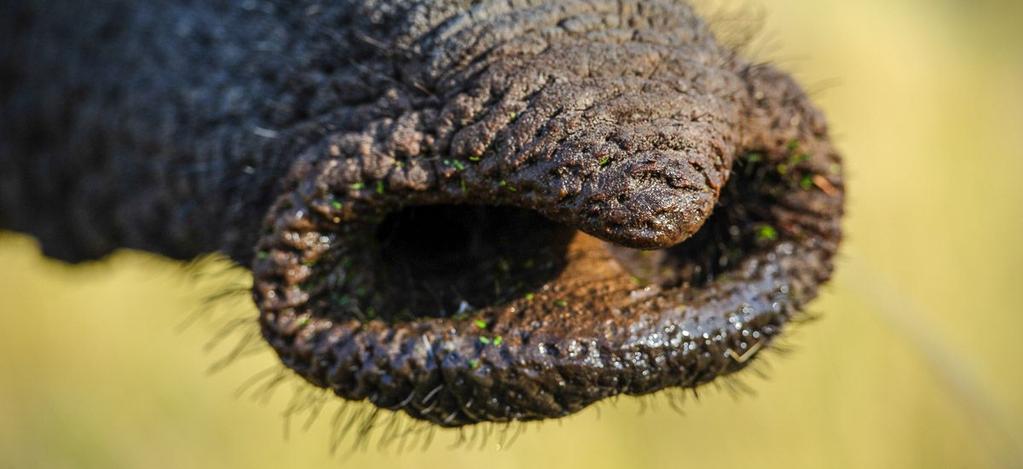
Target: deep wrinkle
point(466, 211)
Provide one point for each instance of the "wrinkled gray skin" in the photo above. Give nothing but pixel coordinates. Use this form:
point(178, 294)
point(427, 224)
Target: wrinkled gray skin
point(283, 133)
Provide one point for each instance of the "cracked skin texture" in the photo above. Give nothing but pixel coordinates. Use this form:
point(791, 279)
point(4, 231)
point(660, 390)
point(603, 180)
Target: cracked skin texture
point(442, 203)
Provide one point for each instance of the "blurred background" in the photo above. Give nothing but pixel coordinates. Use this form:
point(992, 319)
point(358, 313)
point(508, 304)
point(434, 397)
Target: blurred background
point(914, 362)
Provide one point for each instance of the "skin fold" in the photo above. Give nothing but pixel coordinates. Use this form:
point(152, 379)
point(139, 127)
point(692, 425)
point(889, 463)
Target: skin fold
point(467, 211)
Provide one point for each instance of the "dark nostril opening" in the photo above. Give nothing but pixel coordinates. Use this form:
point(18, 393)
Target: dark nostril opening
point(445, 229)
point(440, 260)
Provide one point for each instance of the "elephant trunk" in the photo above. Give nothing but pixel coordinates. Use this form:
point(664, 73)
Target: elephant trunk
point(483, 212)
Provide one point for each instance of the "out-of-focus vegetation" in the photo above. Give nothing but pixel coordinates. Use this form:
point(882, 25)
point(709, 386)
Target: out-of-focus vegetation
point(915, 361)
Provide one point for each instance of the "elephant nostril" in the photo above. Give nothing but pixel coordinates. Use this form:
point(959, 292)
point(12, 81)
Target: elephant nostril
point(439, 260)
